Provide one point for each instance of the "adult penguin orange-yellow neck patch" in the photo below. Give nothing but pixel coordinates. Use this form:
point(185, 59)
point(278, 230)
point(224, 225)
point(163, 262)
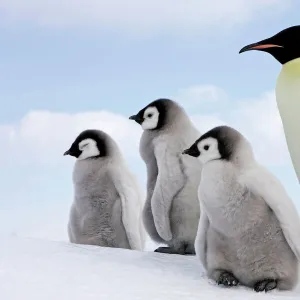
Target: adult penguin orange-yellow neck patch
point(283, 46)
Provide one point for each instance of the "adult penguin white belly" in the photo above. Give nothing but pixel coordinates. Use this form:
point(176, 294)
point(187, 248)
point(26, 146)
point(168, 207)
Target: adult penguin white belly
point(285, 48)
point(288, 101)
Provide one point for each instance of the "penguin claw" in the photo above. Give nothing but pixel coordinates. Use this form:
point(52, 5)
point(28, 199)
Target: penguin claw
point(265, 285)
point(227, 279)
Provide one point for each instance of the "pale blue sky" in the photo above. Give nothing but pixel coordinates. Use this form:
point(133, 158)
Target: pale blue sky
point(74, 69)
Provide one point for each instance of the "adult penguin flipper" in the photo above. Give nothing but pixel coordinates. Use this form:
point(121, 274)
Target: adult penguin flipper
point(131, 200)
point(170, 181)
point(268, 187)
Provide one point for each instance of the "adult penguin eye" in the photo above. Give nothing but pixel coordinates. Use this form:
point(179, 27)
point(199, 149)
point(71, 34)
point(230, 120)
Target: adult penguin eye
point(149, 115)
point(206, 147)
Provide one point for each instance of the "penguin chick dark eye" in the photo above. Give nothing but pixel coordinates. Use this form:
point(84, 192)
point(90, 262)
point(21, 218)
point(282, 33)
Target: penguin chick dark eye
point(206, 147)
point(149, 115)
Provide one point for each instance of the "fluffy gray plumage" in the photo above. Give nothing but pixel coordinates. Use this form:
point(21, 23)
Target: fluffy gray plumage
point(107, 205)
point(171, 212)
point(249, 229)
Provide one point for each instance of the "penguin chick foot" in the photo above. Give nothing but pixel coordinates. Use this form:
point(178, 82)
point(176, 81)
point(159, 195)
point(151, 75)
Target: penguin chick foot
point(188, 249)
point(189, 252)
point(170, 250)
point(166, 250)
point(265, 285)
point(227, 279)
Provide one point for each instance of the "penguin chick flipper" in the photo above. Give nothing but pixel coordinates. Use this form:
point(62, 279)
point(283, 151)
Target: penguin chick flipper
point(170, 181)
point(201, 238)
point(265, 285)
point(227, 279)
point(131, 201)
point(259, 180)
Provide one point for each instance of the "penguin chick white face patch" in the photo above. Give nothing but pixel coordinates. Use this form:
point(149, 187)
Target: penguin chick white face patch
point(88, 148)
point(209, 150)
point(150, 116)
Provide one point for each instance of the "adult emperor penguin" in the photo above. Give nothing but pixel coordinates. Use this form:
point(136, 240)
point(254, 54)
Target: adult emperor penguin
point(107, 206)
point(249, 229)
point(285, 47)
point(171, 212)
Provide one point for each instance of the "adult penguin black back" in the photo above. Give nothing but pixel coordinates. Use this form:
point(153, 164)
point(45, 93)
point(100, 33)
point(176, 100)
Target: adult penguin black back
point(171, 212)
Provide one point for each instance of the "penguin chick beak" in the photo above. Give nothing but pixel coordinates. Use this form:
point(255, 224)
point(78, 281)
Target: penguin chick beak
point(73, 152)
point(67, 152)
point(262, 46)
point(192, 151)
point(136, 118)
point(186, 151)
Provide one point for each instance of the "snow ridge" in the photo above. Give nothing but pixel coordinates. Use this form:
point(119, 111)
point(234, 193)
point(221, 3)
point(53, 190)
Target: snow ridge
point(44, 270)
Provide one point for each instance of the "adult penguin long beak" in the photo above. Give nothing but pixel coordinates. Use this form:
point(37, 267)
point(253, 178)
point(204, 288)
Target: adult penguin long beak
point(262, 46)
point(285, 48)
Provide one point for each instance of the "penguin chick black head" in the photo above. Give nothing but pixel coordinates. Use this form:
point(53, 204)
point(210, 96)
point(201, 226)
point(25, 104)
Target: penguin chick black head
point(218, 143)
point(155, 114)
point(284, 46)
point(90, 143)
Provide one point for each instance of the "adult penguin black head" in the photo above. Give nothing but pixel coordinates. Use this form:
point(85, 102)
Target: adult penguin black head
point(283, 46)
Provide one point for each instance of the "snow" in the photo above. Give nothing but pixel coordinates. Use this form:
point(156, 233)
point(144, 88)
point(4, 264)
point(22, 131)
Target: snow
point(36, 269)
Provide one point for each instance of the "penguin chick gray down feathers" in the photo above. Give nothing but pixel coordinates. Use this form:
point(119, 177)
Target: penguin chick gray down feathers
point(249, 229)
point(171, 212)
point(107, 205)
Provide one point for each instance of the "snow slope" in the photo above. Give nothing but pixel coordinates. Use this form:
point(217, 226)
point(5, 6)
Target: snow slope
point(41, 270)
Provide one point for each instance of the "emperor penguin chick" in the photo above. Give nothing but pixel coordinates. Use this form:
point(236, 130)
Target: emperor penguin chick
point(171, 212)
point(107, 206)
point(249, 229)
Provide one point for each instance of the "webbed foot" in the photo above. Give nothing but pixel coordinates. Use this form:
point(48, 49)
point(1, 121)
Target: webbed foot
point(265, 285)
point(167, 250)
point(183, 249)
point(227, 279)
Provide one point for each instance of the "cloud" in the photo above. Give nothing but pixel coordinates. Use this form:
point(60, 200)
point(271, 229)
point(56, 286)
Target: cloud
point(258, 119)
point(43, 136)
point(206, 95)
point(138, 17)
